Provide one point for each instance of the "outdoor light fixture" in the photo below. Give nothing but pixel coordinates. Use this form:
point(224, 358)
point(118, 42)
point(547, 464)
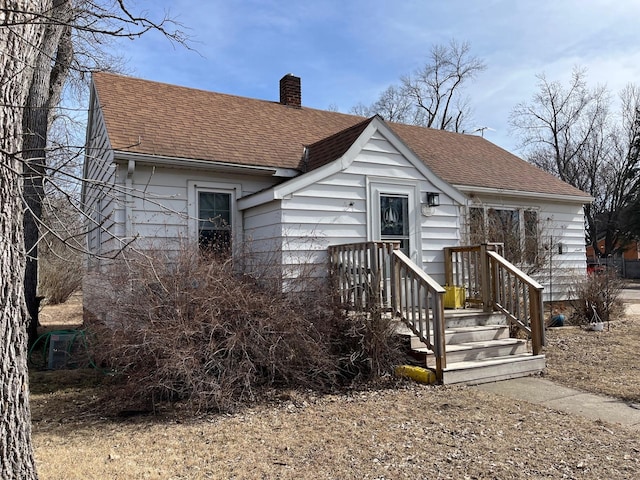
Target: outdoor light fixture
point(430, 200)
point(433, 199)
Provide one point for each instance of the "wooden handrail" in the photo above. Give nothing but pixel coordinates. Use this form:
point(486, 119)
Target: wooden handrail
point(519, 297)
point(419, 301)
point(374, 277)
point(515, 270)
point(466, 266)
point(495, 283)
point(358, 270)
point(424, 277)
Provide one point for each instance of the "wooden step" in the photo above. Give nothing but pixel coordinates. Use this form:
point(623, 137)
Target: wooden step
point(461, 352)
point(492, 370)
point(458, 335)
point(471, 317)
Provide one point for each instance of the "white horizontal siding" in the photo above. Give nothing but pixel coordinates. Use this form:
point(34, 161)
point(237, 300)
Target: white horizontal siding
point(563, 224)
point(263, 227)
point(160, 200)
point(98, 185)
point(350, 192)
point(262, 242)
point(378, 143)
point(439, 231)
point(336, 210)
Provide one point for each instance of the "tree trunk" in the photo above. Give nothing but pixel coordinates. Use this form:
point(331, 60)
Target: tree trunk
point(18, 49)
point(44, 95)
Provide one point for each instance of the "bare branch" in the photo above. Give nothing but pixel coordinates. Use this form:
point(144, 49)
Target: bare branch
point(433, 95)
point(573, 133)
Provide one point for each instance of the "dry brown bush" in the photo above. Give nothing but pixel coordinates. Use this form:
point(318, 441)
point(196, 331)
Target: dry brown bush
point(60, 277)
point(189, 328)
point(600, 291)
point(60, 252)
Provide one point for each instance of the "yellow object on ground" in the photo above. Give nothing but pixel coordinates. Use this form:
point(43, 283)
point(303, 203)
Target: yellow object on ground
point(419, 374)
point(454, 297)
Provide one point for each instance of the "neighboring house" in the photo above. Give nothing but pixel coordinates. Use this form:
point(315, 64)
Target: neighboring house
point(631, 251)
point(166, 164)
point(627, 261)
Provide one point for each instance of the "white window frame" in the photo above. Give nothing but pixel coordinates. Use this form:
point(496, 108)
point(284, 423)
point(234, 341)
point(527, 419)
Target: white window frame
point(485, 207)
point(194, 187)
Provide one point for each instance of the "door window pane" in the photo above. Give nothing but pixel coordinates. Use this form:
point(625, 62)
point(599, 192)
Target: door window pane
point(394, 219)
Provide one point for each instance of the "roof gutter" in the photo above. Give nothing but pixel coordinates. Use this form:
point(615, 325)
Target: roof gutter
point(143, 158)
point(580, 199)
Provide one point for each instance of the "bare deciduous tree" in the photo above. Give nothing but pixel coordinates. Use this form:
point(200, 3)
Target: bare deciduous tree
point(433, 95)
point(49, 75)
point(20, 40)
point(74, 35)
point(393, 105)
point(36, 55)
point(574, 133)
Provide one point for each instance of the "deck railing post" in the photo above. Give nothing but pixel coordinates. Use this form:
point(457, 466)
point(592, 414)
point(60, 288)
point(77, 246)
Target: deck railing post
point(395, 284)
point(495, 280)
point(438, 334)
point(374, 291)
point(537, 320)
point(448, 266)
point(487, 303)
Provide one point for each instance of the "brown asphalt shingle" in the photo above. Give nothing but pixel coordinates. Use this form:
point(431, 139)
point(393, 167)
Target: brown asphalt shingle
point(333, 147)
point(159, 119)
point(474, 161)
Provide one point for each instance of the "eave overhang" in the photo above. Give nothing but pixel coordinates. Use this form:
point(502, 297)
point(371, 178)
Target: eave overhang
point(195, 164)
point(505, 193)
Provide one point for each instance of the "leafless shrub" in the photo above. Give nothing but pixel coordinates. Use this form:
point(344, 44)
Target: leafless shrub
point(367, 345)
point(60, 277)
point(597, 290)
point(189, 328)
point(60, 257)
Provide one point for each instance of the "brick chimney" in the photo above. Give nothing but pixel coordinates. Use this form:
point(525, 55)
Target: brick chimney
point(290, 91)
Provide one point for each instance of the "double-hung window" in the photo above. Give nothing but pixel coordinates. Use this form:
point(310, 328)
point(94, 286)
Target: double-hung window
point(516, 228)
point(214, 221)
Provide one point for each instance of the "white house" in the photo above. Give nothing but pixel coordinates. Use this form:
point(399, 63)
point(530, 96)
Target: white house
point(167, 164)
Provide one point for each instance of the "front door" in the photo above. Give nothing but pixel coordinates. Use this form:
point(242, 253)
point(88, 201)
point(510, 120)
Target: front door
point(394, 216)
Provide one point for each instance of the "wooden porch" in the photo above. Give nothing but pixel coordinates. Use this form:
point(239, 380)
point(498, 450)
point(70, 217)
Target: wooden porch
point(498, 334)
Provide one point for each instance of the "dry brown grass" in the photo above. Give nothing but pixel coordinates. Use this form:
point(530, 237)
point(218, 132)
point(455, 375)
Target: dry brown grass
point(604, 362)
point(63, 315)
point(411, 431)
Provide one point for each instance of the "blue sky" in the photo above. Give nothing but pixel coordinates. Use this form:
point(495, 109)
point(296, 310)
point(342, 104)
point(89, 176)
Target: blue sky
point(348, 51)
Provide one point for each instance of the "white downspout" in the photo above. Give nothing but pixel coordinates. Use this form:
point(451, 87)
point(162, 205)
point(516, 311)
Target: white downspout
point(128, 200)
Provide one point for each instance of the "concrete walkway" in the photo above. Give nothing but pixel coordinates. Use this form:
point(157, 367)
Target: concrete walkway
point(552, 395)
point(558, 397)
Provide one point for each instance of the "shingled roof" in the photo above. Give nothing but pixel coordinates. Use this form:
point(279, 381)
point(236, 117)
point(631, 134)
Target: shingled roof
point(154, 118)
point(333, 147)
